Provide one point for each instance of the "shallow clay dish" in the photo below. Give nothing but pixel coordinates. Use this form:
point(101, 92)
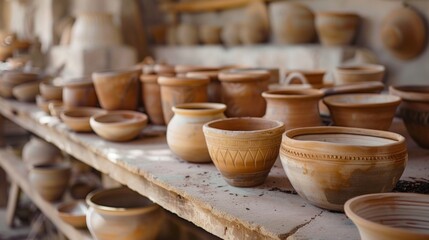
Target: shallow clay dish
point(363, 110)
point(390, 216)
point(329, 165)
point(73, 213)
point(77, 119)
point(244, 149)
point(118, 126)
point(359, 73)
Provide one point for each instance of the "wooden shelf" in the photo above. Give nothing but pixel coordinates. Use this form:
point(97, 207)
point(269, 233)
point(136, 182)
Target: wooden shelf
point(196, 192)
point(203, 6)
point(16, 170)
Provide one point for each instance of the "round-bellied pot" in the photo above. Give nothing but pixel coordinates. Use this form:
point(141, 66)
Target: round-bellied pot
point(79, 92)
point(214, 87)
point(363, 110)
point(49, 91)
point(50, 180)
point(37, 151)
point(122, 214)
point(185, 135)
point(241, 92)
point(336, 28)
point(151, 96)
point(77, 119)
point(73, 213)
point(329, 165)
point(414, 111)
point(390, 216)
point(118, 126)
point(117, 90)
point(26, 92)
point(244, 149)
point(295, 108)
point(177, 90)
point(359, 73)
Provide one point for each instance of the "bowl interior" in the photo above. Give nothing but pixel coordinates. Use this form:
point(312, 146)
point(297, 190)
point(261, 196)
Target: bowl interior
point(346, 139)
point(121, 198)
point(243, 124)
point(81, 113)
point(361, 99)
point(123, 117)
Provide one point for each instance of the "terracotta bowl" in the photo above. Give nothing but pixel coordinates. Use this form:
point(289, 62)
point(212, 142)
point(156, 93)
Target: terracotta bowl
point(363, 110)
point(244, 149)
point(77, 119)
point(390, 216)
point(44, 104)
point(49, 91)
point(359, 73)
point(26, 92)
point(73, 213)
point(414, 111)
point(118, 212)
point(50, 180)
point(118, 126)
point(329, 165)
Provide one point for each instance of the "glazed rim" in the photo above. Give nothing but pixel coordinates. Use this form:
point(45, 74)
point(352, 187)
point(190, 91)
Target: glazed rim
point(180, 81)
point(355, 207)
point(293, 94)
point(81, 112)
point(119, 118)
point(212, 75)
point(418, 93)
point(240, 76)
point(247, 126)
point(341, 148)
point(338, 14)
point(138, 204)
point(73, 82)
point(192, 68)
point(367, 100)
point(199, 109)
point(362, 68)
point(114, 73)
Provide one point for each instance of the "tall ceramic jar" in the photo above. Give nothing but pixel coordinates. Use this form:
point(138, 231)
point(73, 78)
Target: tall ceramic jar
point(79, 93)
point(177, 90)
point(295, 108)
point(336, 28)
point(185, 135)
point(117, 90)
point(241, 92)
point(37, 151)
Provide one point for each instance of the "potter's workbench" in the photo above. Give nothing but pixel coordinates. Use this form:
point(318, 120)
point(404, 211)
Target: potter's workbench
point(197, 192)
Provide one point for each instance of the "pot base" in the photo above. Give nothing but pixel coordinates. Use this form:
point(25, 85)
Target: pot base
point(245, 179)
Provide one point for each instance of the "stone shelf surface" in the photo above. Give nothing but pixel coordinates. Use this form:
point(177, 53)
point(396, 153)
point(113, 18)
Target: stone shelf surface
point(197, 192)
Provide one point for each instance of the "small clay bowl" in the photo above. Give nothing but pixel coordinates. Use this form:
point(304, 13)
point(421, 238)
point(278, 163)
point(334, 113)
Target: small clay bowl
point(77, 119)
point(49, 91)
point(244, 149)
point(363, 110)
point(73, 213)
point(359, 73)
point(119, 126)
point(44, 104)
point(329, 165)
point(26, 92)
point(390, 216)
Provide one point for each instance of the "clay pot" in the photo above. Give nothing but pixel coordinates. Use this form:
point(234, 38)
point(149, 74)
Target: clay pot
point(244, 149)
point(336, 28)
point(151, 96)
point(122, 214)
point(117, 90)
point(230, 34)
point(118, 126)
point(187, 34)
point(44, 104)
point(370, 110)
point(177, 90)
point(183, 69)
point(164, 69)
point(37, 151)
point(295, 108)
point(214, 87)
point(292, 23)
point(241, 92)
point(209, 34)
point(185, 135)
point(79, 92)
point(26, 92)
point(390, 216)
point(16, 77)
point(252, 34)
point(49, 91)
point(312, 77)
point(6, 90)
point(77, 119)
point(414, 111)
point(55, 108)
point(329, 165)
point(73, 213)
point(359, 73)
point(50, 180)
point(274, 72)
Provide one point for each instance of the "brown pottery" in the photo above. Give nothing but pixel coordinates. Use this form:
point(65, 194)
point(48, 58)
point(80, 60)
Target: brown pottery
point(336, 28)
point(117, 90)
point(79, 92)
point(209, 34)
point(244, 149)
point(214, 87)
point(390, 216)
point(77, 119)
point(49, 91)
point(329, 165)
point(187, 34)
point(50, 180)
point(16, 77)
point(26, 92)
point(312, 77)
point(73, 213)
point(37, 151)
point(55, 108)
point(185, 135)
point(181, 70)
point(123, 214)
point(359, 73)
point(151, 96)
point(274, 72)
point(44, 104)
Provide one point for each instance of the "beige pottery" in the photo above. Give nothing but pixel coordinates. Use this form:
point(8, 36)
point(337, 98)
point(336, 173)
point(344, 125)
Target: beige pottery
point(244, 149)
point(329, 165)
point(295, 108)
point(117, 90)
point(50, 180)
point(37, 151)
point(185, 135)
point(79, 93)
point(230, 34)
point(241, 92)
point(336, 28)
point(122, 214)
point(187, 35)
point(390, 216)
point(177, 90)
point(77, 119)
point(359, 73)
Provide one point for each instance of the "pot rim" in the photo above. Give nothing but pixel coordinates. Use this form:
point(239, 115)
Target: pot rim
point(390, 100)
point(137, 120)
point(182, 81)
point(337, 14)
point(293, 94)
point(73, 82)
point(212, 75)
point(135, 70)
point(90, 110)
point(278, 127)
point(199, 109)
point(361, 221)
point(360, 69)
point(163, 68)
point(193, 68)
point(311, 72)
point(244, 76)
point(416, 93)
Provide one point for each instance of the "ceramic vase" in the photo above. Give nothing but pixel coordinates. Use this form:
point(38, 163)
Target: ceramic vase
point(50, 180)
